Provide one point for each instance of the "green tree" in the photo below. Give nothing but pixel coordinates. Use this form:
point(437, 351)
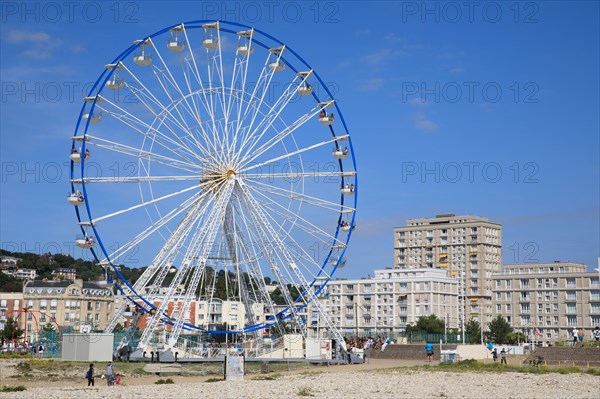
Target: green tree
point(499, 330)
point(428, 324)
point(49, 327)
point(11, 331)
point(516, 337)
point(118, 327)
point(473, 330)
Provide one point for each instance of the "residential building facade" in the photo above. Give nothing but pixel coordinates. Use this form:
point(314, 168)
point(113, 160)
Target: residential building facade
point(468, 248)
point(546, 301)
point(386, 303)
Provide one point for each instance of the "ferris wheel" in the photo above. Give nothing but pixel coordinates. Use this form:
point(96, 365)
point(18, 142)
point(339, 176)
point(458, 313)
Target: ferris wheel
point(214, 154)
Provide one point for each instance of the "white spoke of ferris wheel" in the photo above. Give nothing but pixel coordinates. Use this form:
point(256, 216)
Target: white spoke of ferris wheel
point(293, 153)
point(183, 97)
point(162, 262)
point(203, 91)
point(143, 204)
point(162, 108)
point(264, 92)
point(274, 112)
point(265, 76)
point(308, 294)
point(268, 235)
point(253, 260)
point(193, 250)
point(142, 155)
point(304, 198)
point(133, 122)
point(269, 214)
point(214, 223)
point(133, 179)
point(297, 220)
point(291, 176)
point(249, 157)
point(124, 249)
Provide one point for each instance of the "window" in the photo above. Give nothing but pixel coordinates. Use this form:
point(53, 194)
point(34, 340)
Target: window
point(595, 320)
point(508, 296)
point(555, 319)
point(570, 295)
point(540, 307)
point(524, 308)
point(43, 304)
point(525, 320)
point(97, 317)
point(595, 308)
point(571, 282)
point(571, 308)
point(498, 296)
point(507, 283)
point(524, 283)
point(525, 295)
point(3, 303)
point(572, 321)
point(508, 307)
point(499, 308)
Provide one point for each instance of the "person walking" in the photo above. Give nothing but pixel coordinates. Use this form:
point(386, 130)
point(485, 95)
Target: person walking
point(495, 355)
point(580, 335)
point(90, 375)
point(109, 374)
point(503, 356)
point(596, 334)
point(574, 335)
point(429, 351)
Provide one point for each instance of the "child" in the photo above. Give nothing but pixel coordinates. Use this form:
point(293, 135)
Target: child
point(90, 375)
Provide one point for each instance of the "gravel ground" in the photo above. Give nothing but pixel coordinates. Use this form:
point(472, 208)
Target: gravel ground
point(346, 385)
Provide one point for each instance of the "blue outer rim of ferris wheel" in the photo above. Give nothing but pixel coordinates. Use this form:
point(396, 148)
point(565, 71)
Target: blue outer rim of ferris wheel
point(99, 86)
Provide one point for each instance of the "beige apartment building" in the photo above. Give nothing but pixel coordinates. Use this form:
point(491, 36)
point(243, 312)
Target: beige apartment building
point(386, 303)
point(469, 248)
point(62, 303)
point(547, 300)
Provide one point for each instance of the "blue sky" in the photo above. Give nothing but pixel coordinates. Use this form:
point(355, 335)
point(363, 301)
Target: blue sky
point(490, 111)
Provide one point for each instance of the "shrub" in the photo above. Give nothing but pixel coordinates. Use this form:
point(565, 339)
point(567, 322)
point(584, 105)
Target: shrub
point(18, 388)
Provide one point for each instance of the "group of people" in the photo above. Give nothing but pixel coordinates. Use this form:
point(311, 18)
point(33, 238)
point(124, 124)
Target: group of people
point(578, 335)
point(111, 377)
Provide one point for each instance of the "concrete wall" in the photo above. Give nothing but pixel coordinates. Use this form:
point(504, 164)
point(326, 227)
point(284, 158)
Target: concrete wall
point(87, 347)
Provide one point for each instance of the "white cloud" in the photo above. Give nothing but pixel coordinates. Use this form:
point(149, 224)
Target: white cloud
point(362, 33)
point(457, 70)
point(23, 36)
point(384, 55)
point(371, 84)
point(420, 102)
point(423, 122)
point(392, 37)
point(39, 45)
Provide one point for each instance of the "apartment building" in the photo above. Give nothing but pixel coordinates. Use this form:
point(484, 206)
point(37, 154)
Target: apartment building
point(468, 248)
point(66, 303)
point(547, 300)
point(387, 302)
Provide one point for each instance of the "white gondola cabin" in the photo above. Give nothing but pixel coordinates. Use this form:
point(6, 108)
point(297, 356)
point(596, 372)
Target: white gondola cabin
point(326, 119)
point(334, 261)
point(211, 35)
point(115, 83)
point(304, 89)
point(143, 58)
point(85, 242)
point(245, 46)
point(348, 189)
point(245, 50)
point(277, 66)
point(76, 155)
point(94, 118)
point(176, 45)
point(340, 153)
point(345, 226)
point(211, 43)
point(76, 198)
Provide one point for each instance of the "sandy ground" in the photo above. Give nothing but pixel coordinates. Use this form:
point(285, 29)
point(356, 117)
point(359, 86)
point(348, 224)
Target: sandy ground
point(370, 381)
